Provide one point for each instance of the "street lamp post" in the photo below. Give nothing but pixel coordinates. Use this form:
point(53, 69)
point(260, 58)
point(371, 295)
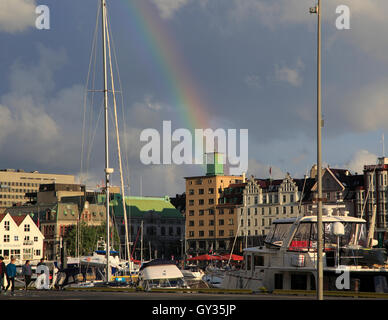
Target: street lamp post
point(317, 10)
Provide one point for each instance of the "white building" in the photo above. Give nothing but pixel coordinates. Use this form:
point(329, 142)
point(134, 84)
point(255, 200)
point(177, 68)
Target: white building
point(21, 238)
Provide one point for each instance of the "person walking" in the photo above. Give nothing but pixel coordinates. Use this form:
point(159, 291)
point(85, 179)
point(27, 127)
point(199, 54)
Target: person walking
point(11, 274)
point(27, 273)
point(2, 273)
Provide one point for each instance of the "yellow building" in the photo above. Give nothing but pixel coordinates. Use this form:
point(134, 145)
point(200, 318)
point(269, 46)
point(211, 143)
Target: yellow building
point(207, 227)
point(14, 184)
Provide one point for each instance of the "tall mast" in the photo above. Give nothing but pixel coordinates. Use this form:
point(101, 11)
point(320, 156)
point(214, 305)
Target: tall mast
point(319, 159)
point(107, 169)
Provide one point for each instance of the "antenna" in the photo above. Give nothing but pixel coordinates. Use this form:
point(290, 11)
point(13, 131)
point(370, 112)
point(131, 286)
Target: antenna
point(383, 144)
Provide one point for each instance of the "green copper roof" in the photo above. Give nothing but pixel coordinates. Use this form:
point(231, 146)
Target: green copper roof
point(138, 206)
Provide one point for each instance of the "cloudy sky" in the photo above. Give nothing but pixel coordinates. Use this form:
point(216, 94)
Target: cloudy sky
point(250, 63)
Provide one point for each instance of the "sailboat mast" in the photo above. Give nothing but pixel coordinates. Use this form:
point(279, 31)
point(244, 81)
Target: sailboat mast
point(107, 169)
point(319, 158)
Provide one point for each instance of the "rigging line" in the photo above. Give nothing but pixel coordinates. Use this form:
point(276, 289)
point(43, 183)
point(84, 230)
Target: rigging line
point(92, 140)
point(119, 150)
point(124, 124)
point(86, 94)
point(302, 195)
point(122, 103)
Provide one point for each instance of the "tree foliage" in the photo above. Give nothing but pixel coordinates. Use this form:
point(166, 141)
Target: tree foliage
point(88, 237)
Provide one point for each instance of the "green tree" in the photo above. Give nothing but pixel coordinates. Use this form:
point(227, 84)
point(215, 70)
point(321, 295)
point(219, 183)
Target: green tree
point(88, 237)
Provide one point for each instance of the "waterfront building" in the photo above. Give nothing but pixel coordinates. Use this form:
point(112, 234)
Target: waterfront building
point(209, 228)
point(15, 184)
point(57, 208)
point(20, 237)
point(163, 226)
point(375, 192)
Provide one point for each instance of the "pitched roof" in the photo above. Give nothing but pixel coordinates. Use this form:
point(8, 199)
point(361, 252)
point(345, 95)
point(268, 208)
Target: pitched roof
point(18, 219)
point(138, 206)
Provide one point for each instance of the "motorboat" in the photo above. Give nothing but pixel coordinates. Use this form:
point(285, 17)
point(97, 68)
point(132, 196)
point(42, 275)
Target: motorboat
point(161, 274)
point(288, 258)
point(192, 272)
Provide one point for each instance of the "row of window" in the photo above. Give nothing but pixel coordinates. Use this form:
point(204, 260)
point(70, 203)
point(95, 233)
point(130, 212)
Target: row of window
point(13, 196)
point(255, 222)
point(201, 191)
point(270, 210)
point(7, 226)
point(7, 238)
point(7, 253)
point(211, 212)
point(201, 202)
point(199, 181)
point(201, 233)
point(18, 184)
point(201, 223)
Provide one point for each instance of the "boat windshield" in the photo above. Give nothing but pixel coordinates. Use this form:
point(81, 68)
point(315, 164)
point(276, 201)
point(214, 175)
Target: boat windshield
point(278, 234)
point(306, 236)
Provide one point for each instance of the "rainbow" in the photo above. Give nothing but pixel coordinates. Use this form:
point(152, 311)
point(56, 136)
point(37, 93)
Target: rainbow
point(152, 34)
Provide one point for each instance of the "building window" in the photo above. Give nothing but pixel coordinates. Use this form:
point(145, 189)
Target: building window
point(211, 212)
point(201, 202)
point(211, 201)
point(211, 222)
point(211, 233)
point(201, 233)
point(191, 202)
point(36, 239)
point(201, 223)
point(6, 238)
point(191, 191)
point(211, 190)
point(221, 222)
point(37, 252)
point(6, 225)
point(26, 228)
point(231, 211)
point(201, 191)
point(16, 238)
point(291, 198)
point(231, 233)
point(284, 210)
point(221, 233)
point(163, 231)
point(191, 212)
point(191, 234)
point(230, 222)
point(201, 212)
point(191, 223)
point(221, 211)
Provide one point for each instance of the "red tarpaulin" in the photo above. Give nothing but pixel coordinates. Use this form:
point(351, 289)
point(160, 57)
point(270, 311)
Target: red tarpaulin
point(233, 257)
point(204, 257)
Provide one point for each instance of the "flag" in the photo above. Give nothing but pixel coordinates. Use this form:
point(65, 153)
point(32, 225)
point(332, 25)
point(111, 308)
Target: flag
point(270, 171)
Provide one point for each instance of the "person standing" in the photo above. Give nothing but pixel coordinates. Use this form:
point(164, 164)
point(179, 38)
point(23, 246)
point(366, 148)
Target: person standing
point(27, 273)
point(41, 262)
point(2, 273)
point(11, 274)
